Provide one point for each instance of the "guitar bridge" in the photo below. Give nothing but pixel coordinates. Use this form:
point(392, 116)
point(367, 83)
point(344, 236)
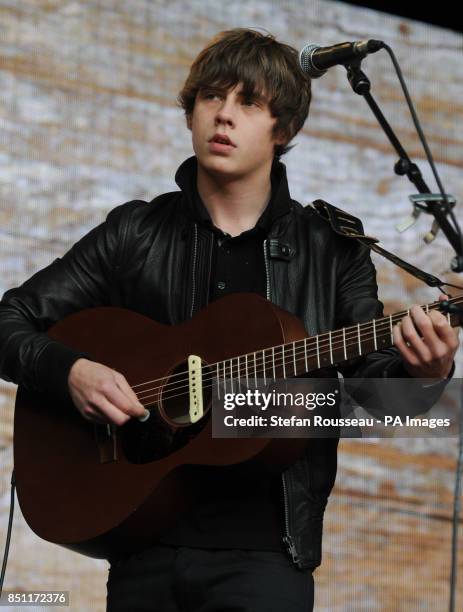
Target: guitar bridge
point(106, 440)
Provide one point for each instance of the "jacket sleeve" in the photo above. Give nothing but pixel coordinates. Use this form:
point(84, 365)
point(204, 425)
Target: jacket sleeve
point(80, 279)
point(357, 302)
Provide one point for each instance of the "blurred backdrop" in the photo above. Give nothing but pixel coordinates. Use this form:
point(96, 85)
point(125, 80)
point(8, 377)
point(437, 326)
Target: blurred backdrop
point(89, 120)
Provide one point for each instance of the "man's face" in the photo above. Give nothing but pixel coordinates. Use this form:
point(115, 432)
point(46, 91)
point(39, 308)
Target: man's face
point(246, 122)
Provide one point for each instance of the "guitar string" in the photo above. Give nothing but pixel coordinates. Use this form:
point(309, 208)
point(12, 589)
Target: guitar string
point(287, 358)
point(350, 331)
point(259, 367)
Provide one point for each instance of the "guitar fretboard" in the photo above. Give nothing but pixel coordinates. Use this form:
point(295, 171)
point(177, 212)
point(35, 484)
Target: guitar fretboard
point(312, 353)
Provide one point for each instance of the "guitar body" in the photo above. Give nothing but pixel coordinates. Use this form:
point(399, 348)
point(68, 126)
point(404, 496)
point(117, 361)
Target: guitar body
point(75, 484)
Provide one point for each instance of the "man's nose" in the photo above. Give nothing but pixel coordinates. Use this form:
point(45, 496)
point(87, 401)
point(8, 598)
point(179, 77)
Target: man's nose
point(226, 111)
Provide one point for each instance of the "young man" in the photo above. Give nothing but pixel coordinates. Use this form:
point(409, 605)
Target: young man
point(253, 540)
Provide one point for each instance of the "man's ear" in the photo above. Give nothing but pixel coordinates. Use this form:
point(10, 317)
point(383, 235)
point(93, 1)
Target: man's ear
point(188, 121)
point(281, 138)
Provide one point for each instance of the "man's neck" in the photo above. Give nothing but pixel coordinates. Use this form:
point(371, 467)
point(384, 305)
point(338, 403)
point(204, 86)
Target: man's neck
point(235, 205)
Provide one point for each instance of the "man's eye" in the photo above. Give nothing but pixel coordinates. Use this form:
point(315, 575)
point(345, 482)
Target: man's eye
point(250, 102)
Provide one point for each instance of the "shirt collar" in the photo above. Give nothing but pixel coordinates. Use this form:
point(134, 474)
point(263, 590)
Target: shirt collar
point(280, 200)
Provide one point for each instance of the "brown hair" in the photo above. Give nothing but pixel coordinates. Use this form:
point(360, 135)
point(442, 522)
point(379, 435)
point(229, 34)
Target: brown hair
point(262, 65)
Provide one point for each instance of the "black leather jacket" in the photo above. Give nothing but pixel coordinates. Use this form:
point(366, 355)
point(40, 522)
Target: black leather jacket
point(155, 258)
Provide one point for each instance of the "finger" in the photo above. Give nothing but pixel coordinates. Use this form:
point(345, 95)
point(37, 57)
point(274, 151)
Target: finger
point(106, 411)
point(117, 398)
point(411, 335)
point(447, 334)
point(455, 330)
point(407, 352)
point(431, 327)
point(130, 394)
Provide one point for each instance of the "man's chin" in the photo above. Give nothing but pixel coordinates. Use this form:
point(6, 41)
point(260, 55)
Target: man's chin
point(220, 167)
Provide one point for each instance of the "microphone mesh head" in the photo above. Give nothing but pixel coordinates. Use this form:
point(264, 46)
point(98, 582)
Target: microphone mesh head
point(306, 61)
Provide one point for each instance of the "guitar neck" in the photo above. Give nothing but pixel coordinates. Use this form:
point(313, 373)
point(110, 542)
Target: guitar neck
point(323, 350)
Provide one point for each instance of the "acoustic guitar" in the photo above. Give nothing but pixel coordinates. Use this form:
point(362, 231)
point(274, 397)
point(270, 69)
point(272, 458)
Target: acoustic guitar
point(102, 490)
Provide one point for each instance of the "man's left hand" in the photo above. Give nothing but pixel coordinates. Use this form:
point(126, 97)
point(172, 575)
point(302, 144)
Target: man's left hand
point(426, 342)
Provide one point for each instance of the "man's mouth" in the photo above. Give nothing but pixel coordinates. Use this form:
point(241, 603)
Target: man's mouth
point(222, 139)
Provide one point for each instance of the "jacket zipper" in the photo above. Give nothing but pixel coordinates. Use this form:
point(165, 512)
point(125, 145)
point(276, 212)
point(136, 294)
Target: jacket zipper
point(287, 538)
point(193, 281)
point(267, 275)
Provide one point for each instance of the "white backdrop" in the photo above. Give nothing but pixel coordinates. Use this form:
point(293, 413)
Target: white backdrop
point(89, 121)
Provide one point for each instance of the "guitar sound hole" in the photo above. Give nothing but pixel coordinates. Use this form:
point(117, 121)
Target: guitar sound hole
point(156, 438)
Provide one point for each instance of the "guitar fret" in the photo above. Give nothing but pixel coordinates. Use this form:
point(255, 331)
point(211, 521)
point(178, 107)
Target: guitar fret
point(225, 370)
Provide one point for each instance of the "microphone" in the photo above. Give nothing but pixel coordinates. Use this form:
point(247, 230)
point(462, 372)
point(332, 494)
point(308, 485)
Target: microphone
point(315, 60)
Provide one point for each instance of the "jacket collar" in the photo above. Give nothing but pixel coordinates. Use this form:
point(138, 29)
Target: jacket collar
point(280, 201)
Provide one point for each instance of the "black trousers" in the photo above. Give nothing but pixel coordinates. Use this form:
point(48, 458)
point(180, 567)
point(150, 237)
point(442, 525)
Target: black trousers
point(171, 579)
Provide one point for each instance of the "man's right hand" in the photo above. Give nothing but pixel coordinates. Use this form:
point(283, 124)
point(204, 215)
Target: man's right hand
point(101, 394)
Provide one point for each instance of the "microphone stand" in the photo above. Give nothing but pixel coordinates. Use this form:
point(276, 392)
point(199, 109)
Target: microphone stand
point(439, 207)
point(361, 85)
